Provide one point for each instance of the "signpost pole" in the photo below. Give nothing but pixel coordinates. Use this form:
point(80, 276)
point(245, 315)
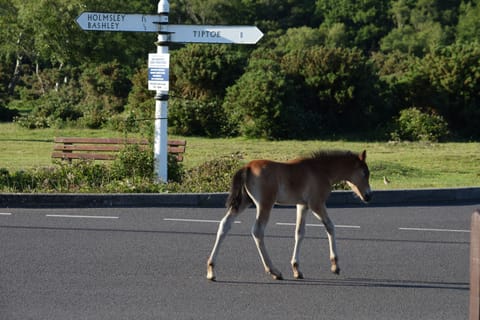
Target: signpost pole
point(160, 148)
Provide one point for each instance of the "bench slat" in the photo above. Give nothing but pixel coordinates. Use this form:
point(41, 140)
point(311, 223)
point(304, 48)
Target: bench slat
point(96, 147)
point(177, 142)
point(69, 148)
point(84, 156)
point(71, 140)
point(106, 148)
point(172, 149)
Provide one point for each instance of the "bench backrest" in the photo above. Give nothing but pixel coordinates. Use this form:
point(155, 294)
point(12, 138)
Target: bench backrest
point(105, 148)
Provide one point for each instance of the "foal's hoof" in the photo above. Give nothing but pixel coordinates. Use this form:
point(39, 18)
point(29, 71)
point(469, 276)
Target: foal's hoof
point(336, 270)
point(211, 278)
point(296, 273)
point(210, 272)
point(277, 276)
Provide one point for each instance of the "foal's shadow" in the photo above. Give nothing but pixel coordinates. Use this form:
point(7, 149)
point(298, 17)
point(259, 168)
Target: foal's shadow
point(358, 282)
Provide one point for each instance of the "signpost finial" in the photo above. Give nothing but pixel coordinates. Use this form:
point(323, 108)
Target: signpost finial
point(163, 7)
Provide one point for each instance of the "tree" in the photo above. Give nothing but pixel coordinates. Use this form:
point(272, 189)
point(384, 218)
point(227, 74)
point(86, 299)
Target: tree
point(105, 89)
point(203, 71)
point(420, 26)
point(341, 84)
point(140, 108)
point(12, 48)
point(298, 39)
point(454, 72)
point(444, 82)
point(199, 76)
point(199, 11)
point(365, 22)
point(468, 28)
point(258, 104)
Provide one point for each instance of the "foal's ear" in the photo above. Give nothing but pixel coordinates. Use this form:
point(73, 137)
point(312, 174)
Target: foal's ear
point(363, 156)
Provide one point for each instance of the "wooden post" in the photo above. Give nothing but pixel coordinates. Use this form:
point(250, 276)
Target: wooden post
point(475, 267)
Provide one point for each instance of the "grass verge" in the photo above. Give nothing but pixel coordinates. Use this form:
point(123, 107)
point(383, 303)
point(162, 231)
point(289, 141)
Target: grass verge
point(406, 165)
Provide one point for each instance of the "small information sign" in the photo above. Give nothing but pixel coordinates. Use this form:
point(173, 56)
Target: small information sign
point(158, 71)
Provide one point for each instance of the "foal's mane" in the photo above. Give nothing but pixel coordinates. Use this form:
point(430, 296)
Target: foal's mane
point(329, 154)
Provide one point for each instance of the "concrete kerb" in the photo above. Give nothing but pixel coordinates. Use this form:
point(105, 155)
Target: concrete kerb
point(216, 200)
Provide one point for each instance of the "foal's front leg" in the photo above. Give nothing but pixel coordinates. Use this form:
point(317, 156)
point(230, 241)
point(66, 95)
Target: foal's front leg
point(332, 244)
point(321, 213)
point(299, 235)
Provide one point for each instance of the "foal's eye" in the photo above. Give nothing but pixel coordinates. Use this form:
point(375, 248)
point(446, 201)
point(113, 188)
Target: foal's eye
point(366, 173)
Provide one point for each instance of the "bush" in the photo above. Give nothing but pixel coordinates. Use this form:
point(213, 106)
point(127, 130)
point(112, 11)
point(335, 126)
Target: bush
point(19, 181)
point(94, 115)
point(81, 176)
point(140, 109)
point(131, 172)
point(415, 125)
point(446, 79)
point(32, 122)
point(454, 74)
point(133, 162)
point(175, 169)
point(258, 104)
point(197, 118)
point(203, 71)
point(339, 85)
point(53, 109)
point(212, 176)
point(105, 90)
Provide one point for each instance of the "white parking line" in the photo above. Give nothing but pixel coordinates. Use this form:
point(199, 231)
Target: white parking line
point(195, 220)
point(79, 217)
point(433, 230)
point(5, 214)
point(317, 225)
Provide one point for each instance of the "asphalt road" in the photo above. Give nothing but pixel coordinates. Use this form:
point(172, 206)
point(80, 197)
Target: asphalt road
point(149, 263)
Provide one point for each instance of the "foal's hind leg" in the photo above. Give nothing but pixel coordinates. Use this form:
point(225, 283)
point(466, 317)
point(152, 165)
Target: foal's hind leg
point(223, 228)
point(258, 232)
point(321, 213)
point(299, 234)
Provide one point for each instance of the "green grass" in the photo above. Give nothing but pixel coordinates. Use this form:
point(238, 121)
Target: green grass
point(22, 149)
point(407, 165)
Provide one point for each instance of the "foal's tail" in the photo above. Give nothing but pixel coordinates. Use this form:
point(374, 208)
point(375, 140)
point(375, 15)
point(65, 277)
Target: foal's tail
point(238, 195)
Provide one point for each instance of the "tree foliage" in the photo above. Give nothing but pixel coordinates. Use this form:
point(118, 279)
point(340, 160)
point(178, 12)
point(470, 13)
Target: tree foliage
point(257, 105)
point(323, 67)
point(365, 22)
point(197, 70)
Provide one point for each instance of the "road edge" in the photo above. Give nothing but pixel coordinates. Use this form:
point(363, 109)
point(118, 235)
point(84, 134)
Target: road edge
point(216, 200)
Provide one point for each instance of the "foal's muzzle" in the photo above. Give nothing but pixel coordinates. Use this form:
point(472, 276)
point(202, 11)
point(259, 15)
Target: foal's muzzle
point(367, 197)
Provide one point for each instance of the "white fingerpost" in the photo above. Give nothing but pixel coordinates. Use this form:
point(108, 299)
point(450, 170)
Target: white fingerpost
point(160, 149)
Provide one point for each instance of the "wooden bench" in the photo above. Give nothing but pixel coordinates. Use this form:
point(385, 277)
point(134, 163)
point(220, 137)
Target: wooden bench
point(69, 148)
